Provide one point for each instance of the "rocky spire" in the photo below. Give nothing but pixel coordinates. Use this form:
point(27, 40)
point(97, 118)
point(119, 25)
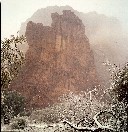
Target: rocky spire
point(59, 60)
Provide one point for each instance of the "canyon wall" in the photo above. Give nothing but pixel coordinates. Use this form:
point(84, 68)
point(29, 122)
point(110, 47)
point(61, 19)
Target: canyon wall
point(107, 38)
point(58, 60)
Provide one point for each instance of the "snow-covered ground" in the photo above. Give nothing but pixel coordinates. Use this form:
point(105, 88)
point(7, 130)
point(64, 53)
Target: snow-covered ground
point(42, 127)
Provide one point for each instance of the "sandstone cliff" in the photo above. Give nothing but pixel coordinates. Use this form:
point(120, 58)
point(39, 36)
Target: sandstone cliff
point(59, 60)
point(106, 36)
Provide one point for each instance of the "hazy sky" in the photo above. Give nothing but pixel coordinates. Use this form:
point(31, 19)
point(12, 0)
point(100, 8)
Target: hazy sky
point(14, 12)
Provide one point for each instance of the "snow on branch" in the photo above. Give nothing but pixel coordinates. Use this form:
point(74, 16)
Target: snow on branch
point(92, 129)
point(98, 124)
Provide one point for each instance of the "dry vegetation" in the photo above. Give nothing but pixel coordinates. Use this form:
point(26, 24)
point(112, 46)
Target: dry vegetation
point(83, 112)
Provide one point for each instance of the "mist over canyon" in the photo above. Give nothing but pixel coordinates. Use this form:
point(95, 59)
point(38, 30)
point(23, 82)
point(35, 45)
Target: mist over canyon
point(59, 60)
point(65, 51)
point(106, 36)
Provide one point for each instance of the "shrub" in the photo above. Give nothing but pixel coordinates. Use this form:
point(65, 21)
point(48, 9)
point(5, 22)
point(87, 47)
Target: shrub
point(72, 107)
point(19, 123)
point(120, 84)
point(12, 59)
point(12, 105)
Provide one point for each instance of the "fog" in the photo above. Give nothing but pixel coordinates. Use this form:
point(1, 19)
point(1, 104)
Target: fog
point(14, 12)
point(67, 81)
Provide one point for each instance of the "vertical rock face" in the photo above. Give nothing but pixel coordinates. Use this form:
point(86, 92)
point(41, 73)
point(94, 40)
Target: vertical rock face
point(59, 60)
point(107, 38)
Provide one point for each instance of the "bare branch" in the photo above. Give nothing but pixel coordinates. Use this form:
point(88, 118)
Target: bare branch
point(92, 129)
point(98, 124)
point(85, 120)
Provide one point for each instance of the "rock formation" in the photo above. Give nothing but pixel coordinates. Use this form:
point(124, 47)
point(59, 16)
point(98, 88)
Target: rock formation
point(107, 38)
point(59, 60)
